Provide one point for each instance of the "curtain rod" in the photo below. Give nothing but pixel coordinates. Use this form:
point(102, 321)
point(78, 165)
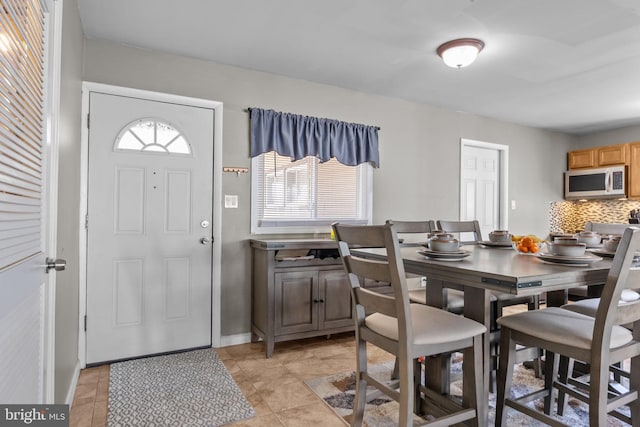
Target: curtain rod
point(248, 110)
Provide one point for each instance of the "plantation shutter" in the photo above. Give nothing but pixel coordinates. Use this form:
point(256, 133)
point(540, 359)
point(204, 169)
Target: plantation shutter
point(22, 28)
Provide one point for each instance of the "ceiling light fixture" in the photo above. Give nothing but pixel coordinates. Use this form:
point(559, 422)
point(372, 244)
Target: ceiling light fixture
point(460, 52)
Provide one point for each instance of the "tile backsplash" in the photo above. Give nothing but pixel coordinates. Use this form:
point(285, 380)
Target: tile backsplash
point(571, 216)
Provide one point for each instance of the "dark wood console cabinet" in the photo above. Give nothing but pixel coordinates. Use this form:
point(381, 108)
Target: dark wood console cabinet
point(293, 299)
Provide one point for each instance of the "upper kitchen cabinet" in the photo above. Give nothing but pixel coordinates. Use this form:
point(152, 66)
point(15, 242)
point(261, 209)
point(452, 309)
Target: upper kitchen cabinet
point(634, 170)
point(609, 155)
point(613, 155)
point(579, 159)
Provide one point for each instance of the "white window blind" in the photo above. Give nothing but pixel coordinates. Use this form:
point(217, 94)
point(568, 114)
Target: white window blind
point(307, 194)
point(22, 26)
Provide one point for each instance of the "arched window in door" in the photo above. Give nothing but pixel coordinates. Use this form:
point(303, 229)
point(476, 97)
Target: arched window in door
point(152, 135)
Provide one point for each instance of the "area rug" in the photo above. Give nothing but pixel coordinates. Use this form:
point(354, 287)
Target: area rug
point(338, 392)
point(183, 389)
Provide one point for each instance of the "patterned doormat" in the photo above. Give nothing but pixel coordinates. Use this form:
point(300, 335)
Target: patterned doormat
point(338, 392)
point(183, 389)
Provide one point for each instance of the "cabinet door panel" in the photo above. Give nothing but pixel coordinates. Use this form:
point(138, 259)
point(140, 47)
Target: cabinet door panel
point(612, 155)
point(335, 309)
point(582, 159)
point(295, 306)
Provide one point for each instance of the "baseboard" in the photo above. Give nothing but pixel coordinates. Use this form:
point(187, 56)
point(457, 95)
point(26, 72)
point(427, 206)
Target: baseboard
point(227, 340)
point(74, 384)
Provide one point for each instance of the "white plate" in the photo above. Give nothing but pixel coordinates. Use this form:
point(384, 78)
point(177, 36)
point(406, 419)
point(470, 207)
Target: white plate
point(496, 244)
point(436, 253)
point(602, 252)
point(445, 256)
point(569, 260)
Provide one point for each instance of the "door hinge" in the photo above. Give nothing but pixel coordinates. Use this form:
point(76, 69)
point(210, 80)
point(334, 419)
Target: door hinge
point(86, 221)
point(88, 121)
point(85, 323)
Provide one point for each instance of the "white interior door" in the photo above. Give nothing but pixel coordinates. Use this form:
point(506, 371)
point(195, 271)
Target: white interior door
point(28, 193)
point(480, 189)
point(149, 232)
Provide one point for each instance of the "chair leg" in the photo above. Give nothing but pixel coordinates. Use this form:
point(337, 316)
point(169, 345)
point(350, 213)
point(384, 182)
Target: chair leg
point(598, 392)
point(417, 381)
point(361, 385)
point(565, 371)
point(472, 378)
point(396, 370)
point(550, 376)
point(634, 384)
point(505, 374)
point(406, 373)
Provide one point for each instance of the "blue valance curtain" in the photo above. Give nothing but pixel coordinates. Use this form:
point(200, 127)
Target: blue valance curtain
point(297, 136)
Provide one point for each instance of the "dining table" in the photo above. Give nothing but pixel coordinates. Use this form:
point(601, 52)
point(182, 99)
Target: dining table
point(485, 270)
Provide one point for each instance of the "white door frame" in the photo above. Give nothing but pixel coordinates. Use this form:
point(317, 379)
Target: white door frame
point(88, 87)
point(503, 197)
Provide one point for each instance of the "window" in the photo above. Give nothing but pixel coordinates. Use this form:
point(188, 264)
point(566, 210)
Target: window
point(150, 135)
point(306, 195)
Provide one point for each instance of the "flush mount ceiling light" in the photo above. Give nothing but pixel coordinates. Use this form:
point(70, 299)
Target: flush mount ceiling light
point(460, 52)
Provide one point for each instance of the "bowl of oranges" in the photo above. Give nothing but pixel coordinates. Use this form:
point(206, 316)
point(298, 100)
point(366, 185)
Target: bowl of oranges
point(527, 245)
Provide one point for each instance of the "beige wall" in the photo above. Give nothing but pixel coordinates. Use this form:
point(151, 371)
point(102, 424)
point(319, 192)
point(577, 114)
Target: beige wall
point(419, 148)
point(66, 343)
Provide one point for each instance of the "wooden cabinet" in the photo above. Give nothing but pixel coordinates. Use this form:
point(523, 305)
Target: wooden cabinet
point(579, 159)
point(293, 299)
point(634, 170)
point(613, 155)
point(308, 300)
point(609, 155)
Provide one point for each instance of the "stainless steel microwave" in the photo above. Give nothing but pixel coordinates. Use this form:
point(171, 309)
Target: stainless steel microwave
point(600, 183)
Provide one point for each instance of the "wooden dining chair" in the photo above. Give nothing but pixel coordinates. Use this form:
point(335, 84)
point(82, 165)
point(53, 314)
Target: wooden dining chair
point(408, 331)
point(589, 307)
point(418, 231)
point(599, 342)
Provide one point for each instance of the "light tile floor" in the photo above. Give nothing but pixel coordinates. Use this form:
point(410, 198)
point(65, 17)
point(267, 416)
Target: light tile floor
point(274, 387)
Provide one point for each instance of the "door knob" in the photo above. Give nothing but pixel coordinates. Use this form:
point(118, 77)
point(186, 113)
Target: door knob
point(205, 241)
point(56, 264)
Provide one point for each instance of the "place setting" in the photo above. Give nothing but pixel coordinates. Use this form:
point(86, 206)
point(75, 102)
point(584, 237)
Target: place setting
point(498, 239)
point(444, 247)
point(608, 247)
point(568, 252)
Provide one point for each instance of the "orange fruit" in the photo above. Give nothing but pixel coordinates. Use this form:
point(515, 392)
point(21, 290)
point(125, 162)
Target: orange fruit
point(526, 242)
point(523, 248)
point(533, 249)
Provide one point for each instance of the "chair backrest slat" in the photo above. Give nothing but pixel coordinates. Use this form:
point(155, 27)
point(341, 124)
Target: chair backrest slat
point(413, 232)
point(426, 226)
point(374, 270)
point(376, 302)
point(462, 227)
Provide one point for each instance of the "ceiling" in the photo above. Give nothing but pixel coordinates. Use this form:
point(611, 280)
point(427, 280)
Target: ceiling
point(566, 65)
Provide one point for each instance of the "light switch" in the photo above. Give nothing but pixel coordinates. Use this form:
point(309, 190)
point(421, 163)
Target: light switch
point(231, 201)
point(513, 205)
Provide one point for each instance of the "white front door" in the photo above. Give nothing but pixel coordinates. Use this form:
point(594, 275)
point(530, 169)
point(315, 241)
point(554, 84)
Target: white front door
point(480, 187)
point(149, 251)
